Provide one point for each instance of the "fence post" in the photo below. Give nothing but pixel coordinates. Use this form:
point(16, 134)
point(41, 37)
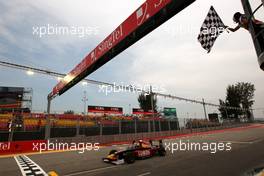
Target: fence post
point(135, 126)
point(191, 125)
point(101, 129)
point(149, 128)
point(184, 125)
point(78, 127)
point(120, 127)
point(154, 126)
point(159, 126)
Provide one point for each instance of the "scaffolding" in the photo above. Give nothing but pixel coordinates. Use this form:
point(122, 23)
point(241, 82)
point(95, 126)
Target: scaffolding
point(27, 99)
point(16, 99)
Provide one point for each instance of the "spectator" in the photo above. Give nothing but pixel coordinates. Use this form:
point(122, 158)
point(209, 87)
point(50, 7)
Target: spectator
point(243, 22)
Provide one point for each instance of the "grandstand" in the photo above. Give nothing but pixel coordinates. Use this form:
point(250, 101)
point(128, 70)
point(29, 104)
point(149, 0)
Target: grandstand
point(36, 121)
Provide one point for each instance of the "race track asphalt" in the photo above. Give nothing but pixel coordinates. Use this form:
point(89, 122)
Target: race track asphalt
point(247, 153)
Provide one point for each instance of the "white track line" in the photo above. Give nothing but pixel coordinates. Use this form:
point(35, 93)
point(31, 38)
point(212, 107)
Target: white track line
point(26, 166)
point(237, 142)
point(147, 173)
point(243, 142)
point(90, 171)
point(19, 165)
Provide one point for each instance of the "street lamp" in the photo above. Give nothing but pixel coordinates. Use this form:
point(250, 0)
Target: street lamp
point(84, 83)
point(30, 72)
point(84, 99)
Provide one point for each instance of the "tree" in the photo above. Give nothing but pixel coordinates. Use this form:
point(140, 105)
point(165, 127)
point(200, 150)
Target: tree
point(69, 112)
point(145, 102)
point(246, 91)
point(240, 95)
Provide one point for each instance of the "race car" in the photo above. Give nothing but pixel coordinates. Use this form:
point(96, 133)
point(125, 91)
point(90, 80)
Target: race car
point(138, 150)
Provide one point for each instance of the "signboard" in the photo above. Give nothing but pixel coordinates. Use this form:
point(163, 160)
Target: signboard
point(170, 112)
point(137, 111)
point(146, 18)
point(105, 110)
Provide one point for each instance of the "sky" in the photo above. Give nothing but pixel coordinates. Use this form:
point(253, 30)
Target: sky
point(170, 57)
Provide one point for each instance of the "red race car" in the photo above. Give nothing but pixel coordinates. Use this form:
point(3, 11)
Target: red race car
point(138, 150)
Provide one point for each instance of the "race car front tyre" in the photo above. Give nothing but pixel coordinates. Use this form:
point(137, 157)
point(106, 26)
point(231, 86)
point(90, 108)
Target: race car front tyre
point(129, 158)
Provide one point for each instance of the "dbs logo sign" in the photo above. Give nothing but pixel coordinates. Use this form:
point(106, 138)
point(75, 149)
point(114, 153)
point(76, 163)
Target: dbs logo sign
point(142, 12)
point(158, 3)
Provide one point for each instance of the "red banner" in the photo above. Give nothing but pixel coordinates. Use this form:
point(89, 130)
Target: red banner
point(14, 105)
point(105, 110)
point(137, 111)
point(7, 148)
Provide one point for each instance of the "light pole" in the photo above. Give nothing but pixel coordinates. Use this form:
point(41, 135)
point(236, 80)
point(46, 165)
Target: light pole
point(129, 110)
point(257, 36)
point(47, 127)
point(152, 108)
point(84, 99)
point(151, 101)
point(205, 113)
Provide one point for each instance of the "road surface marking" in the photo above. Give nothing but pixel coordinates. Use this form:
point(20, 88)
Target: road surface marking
point(52, 173)
point(29, 167)
point(243, 142)
point(237, 142)
point(147, 173)
point(90, 171)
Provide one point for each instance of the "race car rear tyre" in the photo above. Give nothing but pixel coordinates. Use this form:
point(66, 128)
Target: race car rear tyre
point(112, 152)
point(162, 152)
point(129, 158)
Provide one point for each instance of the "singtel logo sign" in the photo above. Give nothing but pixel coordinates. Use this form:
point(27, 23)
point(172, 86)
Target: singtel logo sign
point(111, 40)
point(4, 146)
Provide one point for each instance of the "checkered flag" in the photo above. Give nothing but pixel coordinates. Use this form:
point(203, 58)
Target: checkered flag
point(210, 30)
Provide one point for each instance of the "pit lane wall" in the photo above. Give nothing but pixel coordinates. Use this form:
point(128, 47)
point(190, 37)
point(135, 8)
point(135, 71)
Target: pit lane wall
point(127, 138)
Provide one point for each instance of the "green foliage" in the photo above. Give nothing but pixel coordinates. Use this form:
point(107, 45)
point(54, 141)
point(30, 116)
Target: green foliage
point(240, 95)
point(69, 112)
point(145, 102)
